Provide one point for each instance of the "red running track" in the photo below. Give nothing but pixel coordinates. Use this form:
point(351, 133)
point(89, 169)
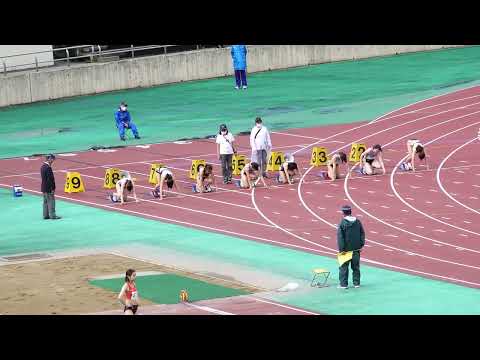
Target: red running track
point(423, 223)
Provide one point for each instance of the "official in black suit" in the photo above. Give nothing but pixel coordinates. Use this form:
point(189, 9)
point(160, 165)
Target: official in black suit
point(48, 188)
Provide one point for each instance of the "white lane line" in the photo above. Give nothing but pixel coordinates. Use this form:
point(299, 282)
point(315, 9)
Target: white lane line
point(321, 208)
point(328, 196)
point(391, 195)
point(308, 192)
point(373, 232)
point(473, 197)
point(464, 161)
point(398, 223)
point(284, 201)
point(371, 192)
point(416, 240)
point(281, 305)
point(326, 237)
point(295, 216)
point(391, 235)
point(428, 202)
point(314, 220)
point(385, 206)
point(296, 135)
point(364, 203)
point(464, 235)
point(415, 187)
point(440, 230)
point(448, 205)
point(420, 226)
point(467, 222)
point(276, 212)
point(457, 182)
point(266, 197)
point(433, 190)
point(409, 198)
point(446, 218)
point(306, 233)
point(437, 244)
point(404, 210)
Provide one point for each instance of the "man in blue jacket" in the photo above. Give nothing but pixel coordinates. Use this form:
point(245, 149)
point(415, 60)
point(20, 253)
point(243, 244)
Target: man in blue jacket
point(350, 237)
point(239, 57)
point(124, 121)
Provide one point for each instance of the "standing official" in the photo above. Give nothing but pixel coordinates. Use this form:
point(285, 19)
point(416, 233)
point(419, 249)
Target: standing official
point(261, 145)
point(48, 188)
point(350, 237)
point(239, 58)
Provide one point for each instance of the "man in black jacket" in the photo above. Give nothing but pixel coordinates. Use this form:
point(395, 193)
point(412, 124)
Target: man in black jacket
point(48, 188)
point(350, 237)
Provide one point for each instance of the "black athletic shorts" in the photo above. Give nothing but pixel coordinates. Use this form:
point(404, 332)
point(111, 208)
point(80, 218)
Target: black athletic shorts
point(134, 308)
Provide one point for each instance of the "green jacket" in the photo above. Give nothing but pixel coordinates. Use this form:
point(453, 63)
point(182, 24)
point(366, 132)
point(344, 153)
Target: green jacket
point(350, 234)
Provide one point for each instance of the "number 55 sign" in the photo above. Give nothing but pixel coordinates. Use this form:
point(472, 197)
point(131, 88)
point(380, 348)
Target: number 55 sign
point(238, 163)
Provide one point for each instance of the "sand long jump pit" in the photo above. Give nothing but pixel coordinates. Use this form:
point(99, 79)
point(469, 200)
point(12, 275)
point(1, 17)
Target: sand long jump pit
point(48, 284)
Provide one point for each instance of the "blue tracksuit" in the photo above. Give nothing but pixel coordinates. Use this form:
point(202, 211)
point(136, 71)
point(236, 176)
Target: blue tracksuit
point(239, 57)
point(122, 118)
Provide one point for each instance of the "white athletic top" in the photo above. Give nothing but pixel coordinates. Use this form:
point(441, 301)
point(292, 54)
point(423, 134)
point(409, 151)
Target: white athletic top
point(225, 142)
point(164, 170)
point(122, 181)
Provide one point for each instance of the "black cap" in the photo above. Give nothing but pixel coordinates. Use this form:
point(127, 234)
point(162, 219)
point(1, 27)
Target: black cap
point(123, 103)
point(258, 120)
point(347, 209)
point(50, 157)
point(223, 127)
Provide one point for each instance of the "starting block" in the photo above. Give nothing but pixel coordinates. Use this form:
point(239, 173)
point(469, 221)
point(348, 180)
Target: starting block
point(73, 183)
point(152, 178)
point(112, 175)
point(275, 161)
point(356, 152)
point(319, 156)
point(194, 168)
point(238, 163)
point(319, 274)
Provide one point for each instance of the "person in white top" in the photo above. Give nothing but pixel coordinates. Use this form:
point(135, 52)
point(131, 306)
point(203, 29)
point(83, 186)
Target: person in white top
point(415, 147)
point(124, 186)
point(164, 175)
point(225, 151)
point(261, 145)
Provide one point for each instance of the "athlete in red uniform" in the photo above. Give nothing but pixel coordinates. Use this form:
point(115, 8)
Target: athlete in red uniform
point(128, 296)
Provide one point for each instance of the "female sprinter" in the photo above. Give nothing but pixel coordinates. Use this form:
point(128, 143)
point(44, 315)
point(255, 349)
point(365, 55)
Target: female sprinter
point(250, 176)
point(205, 179)
point(415, 147)
point(164, 175)
point(287, 172)
point(333, 165)
point(128, 295)
point(372, 159)
point(124, 186)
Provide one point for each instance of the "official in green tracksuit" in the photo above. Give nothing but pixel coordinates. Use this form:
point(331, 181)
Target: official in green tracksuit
point(350, 237)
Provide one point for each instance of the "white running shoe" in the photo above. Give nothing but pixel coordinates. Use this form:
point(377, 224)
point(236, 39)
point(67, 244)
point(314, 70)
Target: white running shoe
point(244, 87)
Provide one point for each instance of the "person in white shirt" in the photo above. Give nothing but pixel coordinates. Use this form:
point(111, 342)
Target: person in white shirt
point(123, 187)
point(261, 145)
point(225, 151)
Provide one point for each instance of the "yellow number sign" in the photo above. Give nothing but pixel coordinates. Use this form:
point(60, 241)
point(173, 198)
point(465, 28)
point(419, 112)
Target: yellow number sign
point(356, 152)
point(319, 156)
point(275, 161)
point(194, 168)
point(112, 175)
point(73, 183)
point(238, 163)
point(152, 177)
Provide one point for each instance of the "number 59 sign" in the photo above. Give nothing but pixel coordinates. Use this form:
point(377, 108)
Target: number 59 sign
point(73, 183)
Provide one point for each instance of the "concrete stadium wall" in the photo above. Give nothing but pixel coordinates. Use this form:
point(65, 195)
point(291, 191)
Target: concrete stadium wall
point(87, 79)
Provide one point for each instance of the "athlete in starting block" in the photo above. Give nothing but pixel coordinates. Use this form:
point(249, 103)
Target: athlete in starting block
point(205, 179)
point(123, 187)
point(250, 176)
point(164, 175)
